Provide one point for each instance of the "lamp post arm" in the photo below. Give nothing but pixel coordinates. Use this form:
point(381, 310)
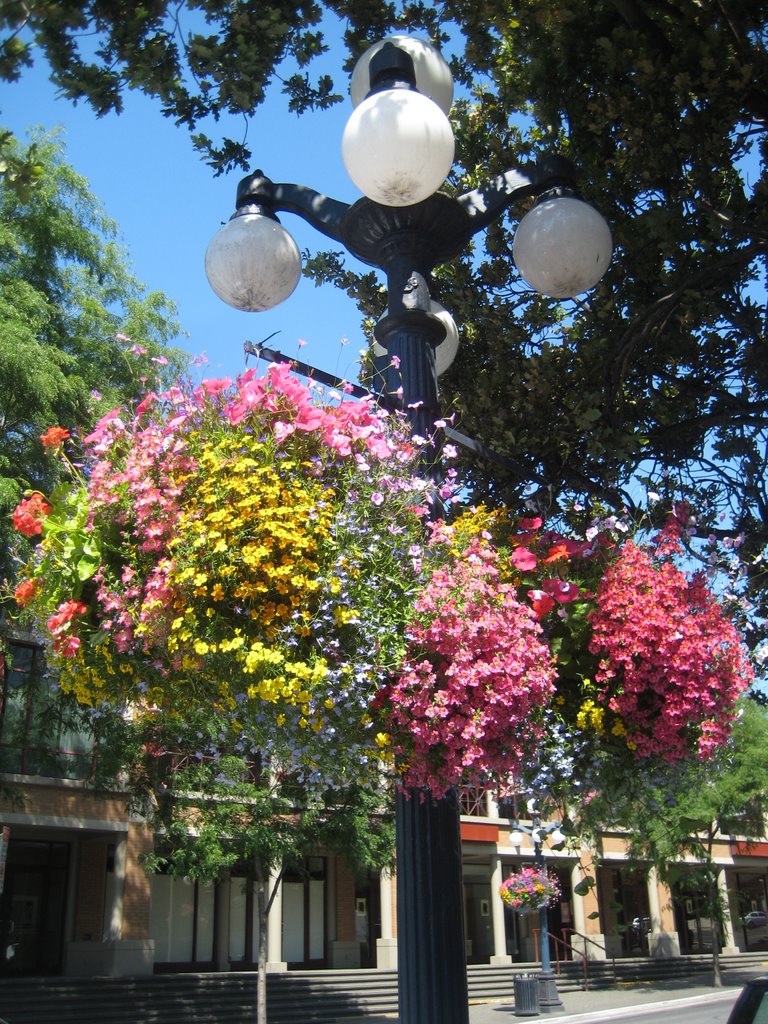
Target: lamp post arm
point(259, 194)
point(485, 204)
point(322, 212)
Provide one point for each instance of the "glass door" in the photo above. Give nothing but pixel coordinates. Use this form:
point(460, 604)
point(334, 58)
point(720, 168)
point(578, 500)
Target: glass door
point(32, 908)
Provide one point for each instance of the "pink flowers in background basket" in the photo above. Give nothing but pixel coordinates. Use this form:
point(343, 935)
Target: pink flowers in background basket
point(529, 889)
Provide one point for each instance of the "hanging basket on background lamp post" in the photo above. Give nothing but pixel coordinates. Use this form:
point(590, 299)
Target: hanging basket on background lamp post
point(529, 890)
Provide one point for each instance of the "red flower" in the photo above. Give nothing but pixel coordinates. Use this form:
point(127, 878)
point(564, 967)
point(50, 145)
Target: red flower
point(29, 514)
point(60, 620)
point(25, 592)
point(557, 553)
point(54, 436)
point(541, 603)
point(68, 647)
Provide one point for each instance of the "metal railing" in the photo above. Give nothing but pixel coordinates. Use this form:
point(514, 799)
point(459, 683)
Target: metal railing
point(563, 946)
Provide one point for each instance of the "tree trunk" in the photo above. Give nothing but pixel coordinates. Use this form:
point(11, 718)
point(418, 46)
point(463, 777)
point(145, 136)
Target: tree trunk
point(264, 900)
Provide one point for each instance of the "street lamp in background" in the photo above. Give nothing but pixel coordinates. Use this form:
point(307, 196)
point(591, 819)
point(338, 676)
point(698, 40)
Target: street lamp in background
point(398, 149)
point(538, 831)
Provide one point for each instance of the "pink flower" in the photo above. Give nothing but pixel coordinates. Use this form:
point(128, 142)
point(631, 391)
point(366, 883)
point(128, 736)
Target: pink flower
point(523, 559)
point(531, 523)
point(69, 646)
point(671, 663)
point(476, 672)
point(216, 386)
point(377, 498)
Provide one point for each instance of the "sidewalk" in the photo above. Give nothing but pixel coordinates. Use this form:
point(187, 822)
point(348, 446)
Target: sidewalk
point(612, 1004)
point(615, 1003)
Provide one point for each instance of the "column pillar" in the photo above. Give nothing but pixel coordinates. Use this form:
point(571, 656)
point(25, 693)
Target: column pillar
point(275, 960)
point(386, 946)
point(221, 910)
point(662, 945)
point(591, 944)
point(500, 956)
point(115, 922)
point(729, 939)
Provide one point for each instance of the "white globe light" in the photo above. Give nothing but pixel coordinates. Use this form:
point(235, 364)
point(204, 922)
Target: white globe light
point(398, 147)
point(445, 352)
point(252, 263)
point(562, 247)
point(433, 76)
point(516, 837)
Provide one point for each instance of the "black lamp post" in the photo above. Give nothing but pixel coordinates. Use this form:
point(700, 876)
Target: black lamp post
point(398, 149)
point(549, 999)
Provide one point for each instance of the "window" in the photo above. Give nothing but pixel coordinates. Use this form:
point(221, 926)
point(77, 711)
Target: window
point(37, 737)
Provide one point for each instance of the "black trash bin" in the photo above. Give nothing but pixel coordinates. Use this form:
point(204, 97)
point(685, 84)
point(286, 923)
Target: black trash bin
point(526, 995)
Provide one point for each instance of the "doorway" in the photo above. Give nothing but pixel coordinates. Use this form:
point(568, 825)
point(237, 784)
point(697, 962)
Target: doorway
point(32, 908)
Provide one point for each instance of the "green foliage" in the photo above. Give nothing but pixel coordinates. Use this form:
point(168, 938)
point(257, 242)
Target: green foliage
point(660, 370)
point(723, 797)
point(70, 311)
point(226, 811)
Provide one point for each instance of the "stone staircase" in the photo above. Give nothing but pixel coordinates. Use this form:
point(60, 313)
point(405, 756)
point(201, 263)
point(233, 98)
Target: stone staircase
point(297, 997)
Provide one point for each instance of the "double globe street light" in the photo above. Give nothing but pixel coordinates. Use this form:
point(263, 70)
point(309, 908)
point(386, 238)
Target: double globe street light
point(538, 831)
point(398, 149)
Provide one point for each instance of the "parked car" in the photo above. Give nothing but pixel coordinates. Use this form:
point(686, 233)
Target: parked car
point(755, 919)
point(752, 1005)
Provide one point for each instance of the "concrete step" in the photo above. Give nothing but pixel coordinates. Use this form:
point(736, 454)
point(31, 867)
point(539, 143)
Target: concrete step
point(298, 997)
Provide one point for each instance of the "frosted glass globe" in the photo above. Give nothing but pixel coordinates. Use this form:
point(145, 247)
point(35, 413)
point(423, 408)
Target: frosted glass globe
point(433, 76)
point(445, 353)
point(398, 147)
point(562, 247)
point(252, 263)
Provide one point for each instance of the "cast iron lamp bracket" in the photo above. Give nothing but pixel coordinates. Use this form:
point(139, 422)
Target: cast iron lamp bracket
point(433, 231)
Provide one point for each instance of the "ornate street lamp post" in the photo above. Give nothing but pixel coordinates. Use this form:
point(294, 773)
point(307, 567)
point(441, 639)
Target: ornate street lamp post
point(398, 149)
point(538, 831)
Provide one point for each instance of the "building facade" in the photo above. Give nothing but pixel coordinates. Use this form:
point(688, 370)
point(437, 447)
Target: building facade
point(76, 899)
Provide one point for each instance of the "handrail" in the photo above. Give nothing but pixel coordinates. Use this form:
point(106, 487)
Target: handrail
point(566, 945)
point(597, 945)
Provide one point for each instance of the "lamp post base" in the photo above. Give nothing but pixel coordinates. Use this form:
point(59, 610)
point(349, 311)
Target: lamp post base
point(549, 998)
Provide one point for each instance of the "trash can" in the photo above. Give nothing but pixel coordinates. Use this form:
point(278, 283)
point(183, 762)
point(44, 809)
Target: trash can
point(526, 995)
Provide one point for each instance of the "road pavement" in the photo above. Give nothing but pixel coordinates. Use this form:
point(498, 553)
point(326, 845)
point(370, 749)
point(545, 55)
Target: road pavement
point(620, 1003)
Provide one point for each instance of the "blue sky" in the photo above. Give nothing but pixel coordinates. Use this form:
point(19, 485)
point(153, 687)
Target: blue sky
point(168, 204)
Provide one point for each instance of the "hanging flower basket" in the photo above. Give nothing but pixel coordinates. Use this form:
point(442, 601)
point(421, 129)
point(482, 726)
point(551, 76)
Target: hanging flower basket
point(529, 889)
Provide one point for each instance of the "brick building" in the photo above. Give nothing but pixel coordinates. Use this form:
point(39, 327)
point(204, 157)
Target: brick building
point(76, 899)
